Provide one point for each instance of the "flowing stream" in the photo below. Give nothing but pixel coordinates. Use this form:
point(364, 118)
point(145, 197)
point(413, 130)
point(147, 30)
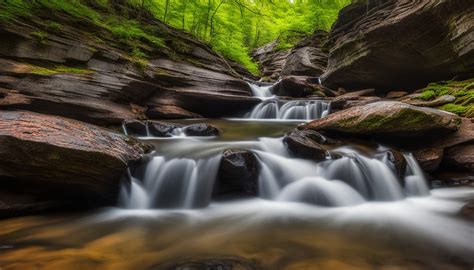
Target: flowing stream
point(352, 210)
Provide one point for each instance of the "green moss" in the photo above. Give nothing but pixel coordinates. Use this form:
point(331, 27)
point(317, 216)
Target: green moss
point(462, 90)
point(40, 36)
point(58, 69)
point(427, 95)
point(454, 108)
point(54, 26)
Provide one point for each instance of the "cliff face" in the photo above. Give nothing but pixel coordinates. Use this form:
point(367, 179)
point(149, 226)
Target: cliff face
point(82, 70)
point(401, 44)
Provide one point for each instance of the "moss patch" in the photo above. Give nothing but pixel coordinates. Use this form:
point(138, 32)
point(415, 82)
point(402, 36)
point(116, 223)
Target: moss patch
point(462, 90)
point(58, 69)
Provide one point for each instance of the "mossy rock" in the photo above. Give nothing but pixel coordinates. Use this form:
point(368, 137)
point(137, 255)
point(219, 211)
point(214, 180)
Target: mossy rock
point(390, 119)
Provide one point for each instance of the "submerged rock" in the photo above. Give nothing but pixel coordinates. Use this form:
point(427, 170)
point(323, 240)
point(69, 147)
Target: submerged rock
point(400, 44)
point(61, 156)
point(238, 174)
point(306, 144)
point(388, 120)
point(161, 129)
point(201, 130)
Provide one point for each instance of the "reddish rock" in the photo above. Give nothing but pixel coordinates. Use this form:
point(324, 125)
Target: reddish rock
point(429, 159)
point(54, 153)
point(396, 94)
point(460, 157)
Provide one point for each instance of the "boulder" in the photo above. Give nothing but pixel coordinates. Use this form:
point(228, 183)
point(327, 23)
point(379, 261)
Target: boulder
point(307, 144)
point(55, 155)
point(344, 100)
point(161, 129)
point(400, 44)
point(238, 174)
point(388, 120)
point(201, 130)
point(294, 86)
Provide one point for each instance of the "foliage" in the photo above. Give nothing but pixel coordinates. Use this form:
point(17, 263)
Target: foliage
point(462, 90)
point(57, 70)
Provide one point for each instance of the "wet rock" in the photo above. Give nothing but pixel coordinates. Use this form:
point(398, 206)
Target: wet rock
point(56, 154)
point(460, 157)
point(436, 44)
point(467, 211)
point(294, 86)
point(399, 162)
point(396, 94)
point(238, 174)
point(201, 130)
point(170, 112)
point(161, 129)
point(307, 144)
point(388, 120)
point(429, 159)
point(439, 101)
point(134, 127)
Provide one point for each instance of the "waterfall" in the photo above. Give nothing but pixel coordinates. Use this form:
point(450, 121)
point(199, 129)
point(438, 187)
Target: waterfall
point(271, 107)
point(290, 110)
point(178, 182)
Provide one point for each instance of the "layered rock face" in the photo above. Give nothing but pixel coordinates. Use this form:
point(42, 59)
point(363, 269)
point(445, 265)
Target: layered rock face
point(61, 159)
point(68, 73)
point(271, 60)
point(400, 44)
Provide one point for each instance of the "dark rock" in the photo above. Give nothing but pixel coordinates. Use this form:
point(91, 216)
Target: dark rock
point(467, 211)
point(238, 174)
point(306, 144)
point(429, 159)
point(399, 162)
point(388, 120)
point(400, 44)
point(201, 130)
point(294, 86)
point(51, 154)
point(460, 157)
point(161, 129)
point(134, 127)
point(271, 60)
point(396, 94)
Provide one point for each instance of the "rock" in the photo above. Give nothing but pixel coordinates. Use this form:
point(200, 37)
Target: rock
point(238, 174)
point(72, 75)
point(294, 86)
point(201, 130)
point(400, 44)
point(399, 162)
point(306, 144)
point(61, 156)
point(342, 101)
point(134, 127)
point(161, 129)
point(429, 159)
point(396, 94)
point(388, 120)
point(460, 157)
point(467, 211)
point(271, 60)
point(439, 101)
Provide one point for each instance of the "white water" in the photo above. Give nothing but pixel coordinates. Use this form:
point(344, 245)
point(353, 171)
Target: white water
point(184, 178)
point(272, 107)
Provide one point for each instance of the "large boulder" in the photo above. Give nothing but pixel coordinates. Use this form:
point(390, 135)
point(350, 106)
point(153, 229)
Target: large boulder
point(238, 174)
point(57, 156)
point(295, 86)
point(388, 120)
point(400, 44)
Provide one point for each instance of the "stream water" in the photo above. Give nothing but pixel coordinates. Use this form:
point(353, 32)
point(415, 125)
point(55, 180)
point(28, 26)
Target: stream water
point(350, 211)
